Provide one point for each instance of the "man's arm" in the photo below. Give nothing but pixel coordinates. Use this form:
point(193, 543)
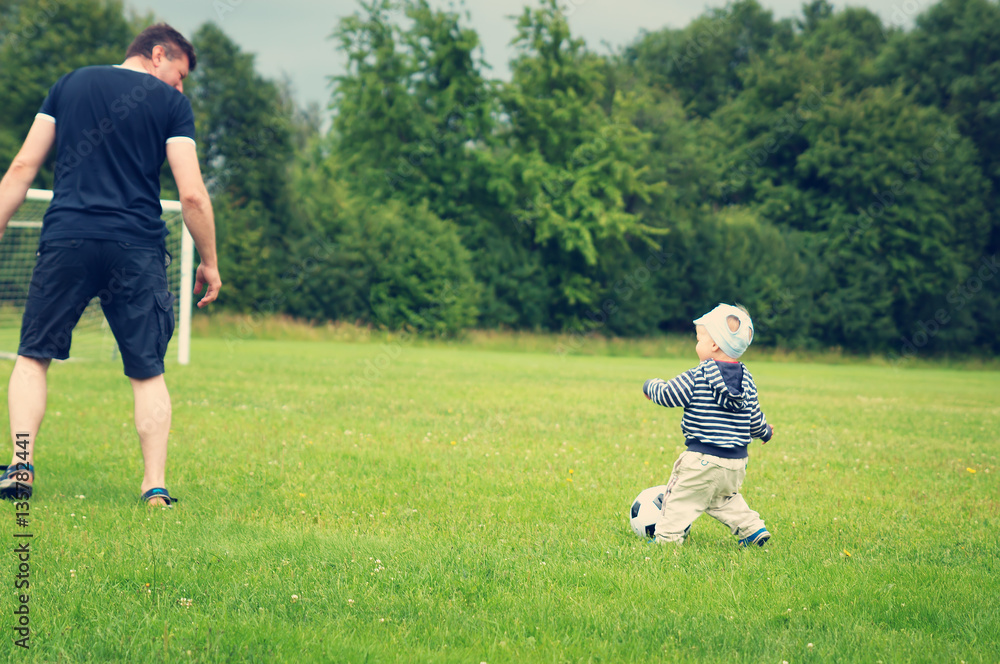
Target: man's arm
point(16, 182)
point(196, 207)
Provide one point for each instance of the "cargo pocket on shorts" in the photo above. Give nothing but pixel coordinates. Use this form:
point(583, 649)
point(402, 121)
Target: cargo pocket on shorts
point(165, 314)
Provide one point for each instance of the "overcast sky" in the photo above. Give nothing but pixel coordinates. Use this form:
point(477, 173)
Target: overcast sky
point(291, 36)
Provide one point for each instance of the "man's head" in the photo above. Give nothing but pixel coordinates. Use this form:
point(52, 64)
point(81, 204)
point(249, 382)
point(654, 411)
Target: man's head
point(167, 55)
point(724, 333)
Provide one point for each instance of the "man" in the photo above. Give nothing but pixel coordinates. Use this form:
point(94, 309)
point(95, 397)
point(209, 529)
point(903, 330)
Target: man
point(102, 235)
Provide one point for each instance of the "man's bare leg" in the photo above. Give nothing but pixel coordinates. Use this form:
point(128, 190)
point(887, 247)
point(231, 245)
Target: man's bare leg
point(26, 396)
point(152, 422)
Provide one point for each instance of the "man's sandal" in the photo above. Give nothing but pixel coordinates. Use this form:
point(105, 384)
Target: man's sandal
point(13, 484)
point(158, 494)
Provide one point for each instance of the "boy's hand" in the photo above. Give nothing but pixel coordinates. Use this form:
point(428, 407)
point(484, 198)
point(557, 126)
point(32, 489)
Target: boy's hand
point(769, 438)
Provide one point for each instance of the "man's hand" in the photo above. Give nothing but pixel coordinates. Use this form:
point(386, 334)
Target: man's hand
point(209, 277)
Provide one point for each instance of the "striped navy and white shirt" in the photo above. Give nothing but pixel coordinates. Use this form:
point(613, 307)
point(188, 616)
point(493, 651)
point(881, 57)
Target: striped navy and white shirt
point(721, 412)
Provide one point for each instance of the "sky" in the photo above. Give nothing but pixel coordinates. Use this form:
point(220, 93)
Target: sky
point(291, 37)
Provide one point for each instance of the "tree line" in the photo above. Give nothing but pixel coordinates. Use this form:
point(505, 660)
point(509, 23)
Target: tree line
point(836, 175)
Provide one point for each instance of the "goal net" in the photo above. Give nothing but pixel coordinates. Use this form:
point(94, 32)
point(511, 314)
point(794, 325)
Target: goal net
point(92, 338)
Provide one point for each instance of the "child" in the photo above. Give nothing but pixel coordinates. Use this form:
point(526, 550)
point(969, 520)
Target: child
point(721, 415)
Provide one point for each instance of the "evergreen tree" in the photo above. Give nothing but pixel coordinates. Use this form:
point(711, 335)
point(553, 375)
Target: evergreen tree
point(575, 171)
point(951, 60)
point(414, 122)
point(888, 194)
point(385, 264)
point(701, 62)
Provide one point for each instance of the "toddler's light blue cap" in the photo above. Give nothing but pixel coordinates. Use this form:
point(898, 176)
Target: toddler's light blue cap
point(732, 343)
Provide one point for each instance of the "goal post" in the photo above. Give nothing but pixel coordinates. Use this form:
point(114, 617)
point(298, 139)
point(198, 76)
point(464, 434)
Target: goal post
point(186, 285)
point(92, 338)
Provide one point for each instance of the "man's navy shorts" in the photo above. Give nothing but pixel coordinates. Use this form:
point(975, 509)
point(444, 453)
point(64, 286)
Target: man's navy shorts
point(131, 281)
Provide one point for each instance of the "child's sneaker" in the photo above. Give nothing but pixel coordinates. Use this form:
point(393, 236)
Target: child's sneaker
point(759, 538)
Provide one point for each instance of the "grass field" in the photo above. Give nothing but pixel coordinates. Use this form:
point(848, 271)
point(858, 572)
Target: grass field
point(377, 502)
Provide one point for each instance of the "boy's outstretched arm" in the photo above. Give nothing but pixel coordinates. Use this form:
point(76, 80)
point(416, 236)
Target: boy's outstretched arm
point(675, 393)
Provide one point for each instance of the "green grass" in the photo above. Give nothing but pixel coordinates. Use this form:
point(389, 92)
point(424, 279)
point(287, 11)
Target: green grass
point(453, 504)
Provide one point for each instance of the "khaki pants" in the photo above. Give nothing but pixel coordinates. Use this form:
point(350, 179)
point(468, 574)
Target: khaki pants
point(705, 483)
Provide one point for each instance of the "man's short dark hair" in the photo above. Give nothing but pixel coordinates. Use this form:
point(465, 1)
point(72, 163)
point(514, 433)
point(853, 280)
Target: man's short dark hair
point(163, 35)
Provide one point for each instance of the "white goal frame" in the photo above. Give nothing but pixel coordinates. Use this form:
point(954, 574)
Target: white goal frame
point(187, 270)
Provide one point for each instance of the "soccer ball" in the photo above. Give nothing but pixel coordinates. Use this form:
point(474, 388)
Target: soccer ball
point(645, 510)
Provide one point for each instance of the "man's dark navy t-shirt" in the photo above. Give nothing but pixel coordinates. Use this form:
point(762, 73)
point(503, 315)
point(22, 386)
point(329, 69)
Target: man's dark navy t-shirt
point(112, 130)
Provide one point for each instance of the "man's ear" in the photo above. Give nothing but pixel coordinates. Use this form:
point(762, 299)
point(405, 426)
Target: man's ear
point(157, 55)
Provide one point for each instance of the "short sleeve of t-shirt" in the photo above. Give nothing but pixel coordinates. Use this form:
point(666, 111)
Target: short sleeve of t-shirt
point(48, 109)
point(182, 122)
